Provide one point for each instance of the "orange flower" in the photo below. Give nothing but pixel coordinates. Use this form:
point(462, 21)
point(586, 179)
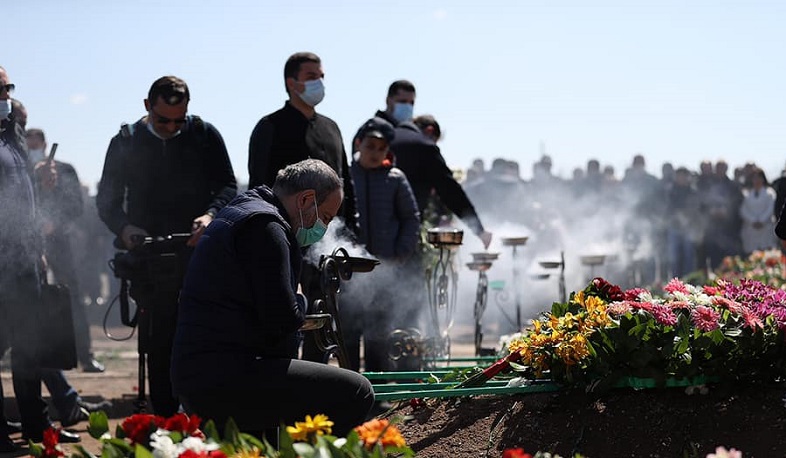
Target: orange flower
point(381, 432)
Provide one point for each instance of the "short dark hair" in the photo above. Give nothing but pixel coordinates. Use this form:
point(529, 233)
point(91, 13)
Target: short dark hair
point(36, 133)
point(292, 67)
point(427, 120)
point(171, 89)
point(400, 85)
point(307, 174)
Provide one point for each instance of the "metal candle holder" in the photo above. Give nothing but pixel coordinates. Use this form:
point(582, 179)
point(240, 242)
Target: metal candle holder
point(514, 243)
point(481, 263)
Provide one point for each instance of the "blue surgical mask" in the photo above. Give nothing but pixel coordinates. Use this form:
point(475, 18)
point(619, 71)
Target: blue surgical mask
point(313, 93)
point(403, 111)
point(5, 108)
point(313, 234)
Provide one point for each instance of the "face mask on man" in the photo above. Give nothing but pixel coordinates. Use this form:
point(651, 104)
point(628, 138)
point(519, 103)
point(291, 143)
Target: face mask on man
point(313, 93)
point(313, 234)
point(5, 108)
point(36, 155)
point(403, 111)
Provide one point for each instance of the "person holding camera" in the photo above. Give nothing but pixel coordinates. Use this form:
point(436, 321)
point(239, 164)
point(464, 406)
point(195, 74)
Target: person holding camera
point(168, 173)
point(235, 352)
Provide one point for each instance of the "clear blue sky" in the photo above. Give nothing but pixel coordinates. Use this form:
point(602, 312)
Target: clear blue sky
point(677, 81)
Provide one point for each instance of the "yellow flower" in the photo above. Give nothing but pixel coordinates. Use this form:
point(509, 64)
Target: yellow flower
point(381, 432)
point(253, 453)
point(303, 429)
point(578, 298)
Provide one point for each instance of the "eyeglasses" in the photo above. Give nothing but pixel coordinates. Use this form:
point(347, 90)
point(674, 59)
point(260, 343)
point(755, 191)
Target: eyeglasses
point(8, 87)
point(164, 120)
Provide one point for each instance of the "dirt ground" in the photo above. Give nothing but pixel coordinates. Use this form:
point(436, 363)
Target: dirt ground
point(649, 423)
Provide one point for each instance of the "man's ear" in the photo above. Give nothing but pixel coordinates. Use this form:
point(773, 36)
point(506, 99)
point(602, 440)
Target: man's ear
point(306, 198)
point(147, 105)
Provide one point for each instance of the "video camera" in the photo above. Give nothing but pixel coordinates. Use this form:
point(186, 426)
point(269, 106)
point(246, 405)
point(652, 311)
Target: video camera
point(153, 260)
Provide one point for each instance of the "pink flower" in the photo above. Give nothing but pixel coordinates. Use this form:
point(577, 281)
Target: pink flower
point(751, 320)
point(705, 318)
point(646, 306)
point(619, 308)
point(732, 306)
point(663, 314)
point(634, 293)
point(676, 285)
point(676, 305)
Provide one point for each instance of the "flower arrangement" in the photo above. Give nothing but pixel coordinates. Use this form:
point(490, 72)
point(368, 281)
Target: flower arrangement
point(768, 267)
point(732, 330)
point(180, 436)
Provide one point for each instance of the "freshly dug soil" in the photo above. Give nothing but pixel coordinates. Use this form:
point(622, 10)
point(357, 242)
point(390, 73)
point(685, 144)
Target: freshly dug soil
point(665, 423)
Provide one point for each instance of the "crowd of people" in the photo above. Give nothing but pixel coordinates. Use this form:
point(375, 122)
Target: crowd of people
point(683, 222)
point(222, 330)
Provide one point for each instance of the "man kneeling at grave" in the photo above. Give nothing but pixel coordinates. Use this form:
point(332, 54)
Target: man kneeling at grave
point(238, 326)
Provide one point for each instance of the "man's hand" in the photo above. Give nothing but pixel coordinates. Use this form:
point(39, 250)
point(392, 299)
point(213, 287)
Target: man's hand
point(485, 237)
point(45, 174)
point(198, 228)
point(128, 233)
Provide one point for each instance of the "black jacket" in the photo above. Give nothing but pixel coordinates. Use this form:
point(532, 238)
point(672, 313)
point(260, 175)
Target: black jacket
point(239, 296)
point(286, 137)
point(422, 162)
point(162, 185)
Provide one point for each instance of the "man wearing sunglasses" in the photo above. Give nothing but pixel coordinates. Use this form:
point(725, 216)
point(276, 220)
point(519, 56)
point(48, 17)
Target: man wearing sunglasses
point(168, 173)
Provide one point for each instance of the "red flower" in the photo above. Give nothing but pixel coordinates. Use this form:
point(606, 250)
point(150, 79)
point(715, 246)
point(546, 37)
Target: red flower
point(182, 423)
point(515, 453)
point(204, 454)
point(139, 427)
point(605, 290)
point(51, 439)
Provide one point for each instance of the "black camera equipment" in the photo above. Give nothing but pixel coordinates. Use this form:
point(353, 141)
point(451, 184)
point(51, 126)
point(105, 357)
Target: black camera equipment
point(325, 317)
point(154, 263)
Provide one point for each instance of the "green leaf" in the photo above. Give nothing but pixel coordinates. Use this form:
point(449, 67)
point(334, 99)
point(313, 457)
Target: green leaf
point(231, 432)
point(99, 424)
point(119, 444)
point(285, 443)
point(211, 432)
point(111, 451)
point(119, 432)
point(252, 441)
point(35, 450)
point(141, 452)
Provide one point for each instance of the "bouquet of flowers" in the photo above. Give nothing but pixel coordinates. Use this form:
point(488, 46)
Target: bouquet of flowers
point(768, 267)
point(180, 436)
point(603, 334)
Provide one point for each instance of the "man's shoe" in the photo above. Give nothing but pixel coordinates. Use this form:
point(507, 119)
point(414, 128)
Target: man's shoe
point(92, 365)
point(6, 445)
point(104, 405)
point(63, 437)
point(13, 427)
point(77, 414)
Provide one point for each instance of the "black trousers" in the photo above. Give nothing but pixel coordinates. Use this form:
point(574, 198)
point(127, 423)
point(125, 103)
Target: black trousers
point(267, 392)
point(18, 330)
point(157, 321)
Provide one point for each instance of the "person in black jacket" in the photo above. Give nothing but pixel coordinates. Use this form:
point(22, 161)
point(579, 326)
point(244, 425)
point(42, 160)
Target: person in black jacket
point(235, 352)
point(60, 207)
point(292, 134)
point(20, 278)
point(419, 157)
point(168, 173)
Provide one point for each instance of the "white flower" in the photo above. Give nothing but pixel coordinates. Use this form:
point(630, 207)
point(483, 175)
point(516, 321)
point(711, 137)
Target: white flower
point(646, 296)
point(106, 436)
point(163, 447)
point(194, 443)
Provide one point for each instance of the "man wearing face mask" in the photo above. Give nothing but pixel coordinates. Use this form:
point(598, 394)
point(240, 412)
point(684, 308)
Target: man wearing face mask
point(60, 206)
point(297, 132)
point(21, 248)
point(419, 157)
point(168, 173)
point(236, 344)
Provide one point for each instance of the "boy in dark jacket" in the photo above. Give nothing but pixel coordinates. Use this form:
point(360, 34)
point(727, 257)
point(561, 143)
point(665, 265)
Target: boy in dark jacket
point(389, 227)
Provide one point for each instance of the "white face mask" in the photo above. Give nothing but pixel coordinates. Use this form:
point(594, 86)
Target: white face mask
point(313, 93)
point(5, 108)
point(36, 155)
